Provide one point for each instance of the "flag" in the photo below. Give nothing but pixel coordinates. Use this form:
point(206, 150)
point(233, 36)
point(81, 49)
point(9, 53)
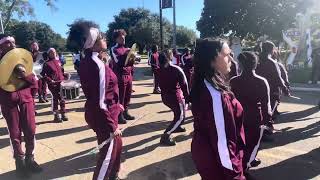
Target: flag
point(166, 4)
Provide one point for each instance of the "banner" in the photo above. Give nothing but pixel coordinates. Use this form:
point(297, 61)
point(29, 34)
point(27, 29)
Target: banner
point(166, 4)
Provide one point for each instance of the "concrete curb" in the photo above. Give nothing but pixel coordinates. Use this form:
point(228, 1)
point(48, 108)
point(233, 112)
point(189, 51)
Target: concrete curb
point(304, 89)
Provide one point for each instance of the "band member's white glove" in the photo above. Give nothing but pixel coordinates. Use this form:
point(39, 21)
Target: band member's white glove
point(117, 132)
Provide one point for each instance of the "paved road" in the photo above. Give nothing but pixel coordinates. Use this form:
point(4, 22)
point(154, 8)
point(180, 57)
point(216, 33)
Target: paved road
point(294, 155)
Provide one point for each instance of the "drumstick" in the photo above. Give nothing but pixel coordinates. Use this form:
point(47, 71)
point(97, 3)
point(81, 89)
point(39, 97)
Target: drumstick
point(96, 149)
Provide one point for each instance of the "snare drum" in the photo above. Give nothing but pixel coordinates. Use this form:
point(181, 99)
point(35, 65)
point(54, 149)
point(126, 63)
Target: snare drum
point(70, 89)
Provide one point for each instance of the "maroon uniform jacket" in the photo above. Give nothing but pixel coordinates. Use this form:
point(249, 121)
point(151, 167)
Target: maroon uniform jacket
point(187, 62)
point(52, 71)
point(173, 83)
point(219, 139)
point(155, 61)
point(269, 69)
point(119, 55)
point(21, 96)
point(257, 109)
point(100, 86)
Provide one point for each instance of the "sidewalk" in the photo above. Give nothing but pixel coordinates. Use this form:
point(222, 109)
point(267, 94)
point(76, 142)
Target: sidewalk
point(305, 87)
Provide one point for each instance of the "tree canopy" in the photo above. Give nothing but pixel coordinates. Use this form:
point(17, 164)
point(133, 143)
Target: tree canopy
point(249, 17)
point(27, 32)
point(143, 28)
point(21, 8)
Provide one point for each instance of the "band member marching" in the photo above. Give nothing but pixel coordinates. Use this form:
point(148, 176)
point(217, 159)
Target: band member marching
point(187, 65)
point(124, 73)
point(256, 105)
point(102, 107)
point(155, 68)
point(218, 140)
point(176, 57)
point(174, 94)
point(42, 84)
point(52, 73)
point(18, 110)
point(269, 69)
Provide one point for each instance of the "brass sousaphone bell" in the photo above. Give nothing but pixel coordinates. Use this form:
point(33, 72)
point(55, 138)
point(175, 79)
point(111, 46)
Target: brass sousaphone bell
point(8, 81)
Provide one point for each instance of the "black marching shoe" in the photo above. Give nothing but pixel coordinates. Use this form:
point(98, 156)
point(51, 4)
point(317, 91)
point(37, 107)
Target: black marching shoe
point(32, 165)
point(121, 119)
point(64, 117)
point(41, 100)
point(57, 118)
point(180, 130)
point(166, 140)
point(255, 163)
point(157, 91)
point(46, 100)
point(21, 169)
point(127, 116)
point(114, 177)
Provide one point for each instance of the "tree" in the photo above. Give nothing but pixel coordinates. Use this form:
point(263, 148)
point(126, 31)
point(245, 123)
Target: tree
point(245, 17)
point(185, 37)
point(20, 8)
point(27, 32)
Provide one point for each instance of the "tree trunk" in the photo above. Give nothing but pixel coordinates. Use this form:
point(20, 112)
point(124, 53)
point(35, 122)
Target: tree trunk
point(9, 14)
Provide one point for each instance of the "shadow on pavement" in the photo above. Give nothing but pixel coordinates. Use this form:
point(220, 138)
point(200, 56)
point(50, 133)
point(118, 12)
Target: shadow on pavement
point(141, 104)
point(301, 167)
point(5, 142)
point(287, 136)
point(173, 168)
point(140, 95)
point(307, 98)
point(60, 168)
point(297, 116)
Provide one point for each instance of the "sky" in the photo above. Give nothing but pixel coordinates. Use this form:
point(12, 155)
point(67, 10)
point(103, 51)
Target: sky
point(102, 12)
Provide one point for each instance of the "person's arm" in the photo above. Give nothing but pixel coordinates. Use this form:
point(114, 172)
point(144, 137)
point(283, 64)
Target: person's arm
point(44, 73)
point(183, 84)
point(278, 79)
point(284, 75)
point(266, 103)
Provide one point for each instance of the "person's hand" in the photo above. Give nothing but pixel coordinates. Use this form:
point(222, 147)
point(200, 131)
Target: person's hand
point(20, 71)
point(117, 132)
point(121, 107)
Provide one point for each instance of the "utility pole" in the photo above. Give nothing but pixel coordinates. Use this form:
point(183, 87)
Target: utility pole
point(174, 25)
point(161, 28)
point(1, 23)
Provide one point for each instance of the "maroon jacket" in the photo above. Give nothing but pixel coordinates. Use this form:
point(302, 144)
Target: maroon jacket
point(155, 61)
point(119, 55)
point(269, 69)
point(255, 100)
point(21, 96)
point(173, 82)
point(187, 62)
point(219, 139)
point(52, 71)
point(100, 86)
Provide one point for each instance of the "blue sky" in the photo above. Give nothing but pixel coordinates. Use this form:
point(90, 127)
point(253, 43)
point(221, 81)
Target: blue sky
point(102, 11)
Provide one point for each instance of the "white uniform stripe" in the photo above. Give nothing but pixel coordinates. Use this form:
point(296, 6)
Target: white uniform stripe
point(102, 77)
point(114, 55)
point(182, 60)
point(106, 162)
point(184, 76)
point(268, 89)
point(220, 126)
point(182, 116)
point(255, 150)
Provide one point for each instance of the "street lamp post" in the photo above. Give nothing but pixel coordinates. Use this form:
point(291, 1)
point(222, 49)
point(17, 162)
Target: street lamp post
point(1, 23)
point(174, 25)
point(161, 29)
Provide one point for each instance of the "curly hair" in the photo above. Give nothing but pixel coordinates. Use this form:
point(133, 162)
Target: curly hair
point(118, 32)
point(78, 33)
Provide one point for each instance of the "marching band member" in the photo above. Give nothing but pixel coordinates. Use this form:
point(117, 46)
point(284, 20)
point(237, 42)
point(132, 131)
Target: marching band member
point(269, 69)
point(176, 57)
point(187, 65)
point(174, 93)
point(52, 73)
point(42, 85)
point(256, 105)
point(18, 110)
point(123, 72)
point(155, 68)
point(219, 139)
point(102, 107)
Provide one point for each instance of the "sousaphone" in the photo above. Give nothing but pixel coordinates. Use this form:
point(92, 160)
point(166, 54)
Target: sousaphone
point(8, 81)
